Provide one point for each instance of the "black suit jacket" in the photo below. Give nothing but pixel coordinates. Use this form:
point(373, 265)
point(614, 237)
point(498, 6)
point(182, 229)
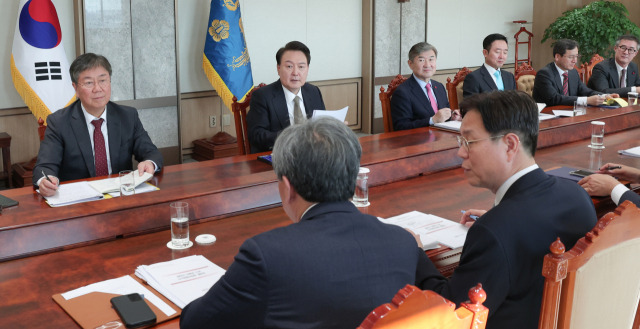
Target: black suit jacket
point(410, 107)
point(548, 87)
point(327, 271)
point(504, 248)
point(66, 149)
point(631, 196)
point(605, 78)
point(480, 81)
point(268, 114)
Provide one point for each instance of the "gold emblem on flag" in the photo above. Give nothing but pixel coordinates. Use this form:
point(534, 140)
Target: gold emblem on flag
point(240, 61)
point(231, 5)
point(219, 30)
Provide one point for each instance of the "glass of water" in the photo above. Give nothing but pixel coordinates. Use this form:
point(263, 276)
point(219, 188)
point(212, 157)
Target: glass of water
point(597, 135)
point(179, 224)
point(633, 98)
point(361, 196)
point(127, 182)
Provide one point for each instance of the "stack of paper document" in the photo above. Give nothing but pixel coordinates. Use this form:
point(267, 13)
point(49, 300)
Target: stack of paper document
point(449, 125)
point(109, 185)
point(633, 152)
point(181, 280)
point(433, 230)
point(340, 114)
point(72, 193)
point(121, 286)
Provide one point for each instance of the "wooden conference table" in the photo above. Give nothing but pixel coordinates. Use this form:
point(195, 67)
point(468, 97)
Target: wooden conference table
point(27, 281)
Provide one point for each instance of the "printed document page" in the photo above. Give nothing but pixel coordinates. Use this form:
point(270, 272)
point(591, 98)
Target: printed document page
point(108, 185)
point(433, 230)
point(181, 280)
point(340, 114)
point(634, 151)
point(72, 193)
point(449, 125)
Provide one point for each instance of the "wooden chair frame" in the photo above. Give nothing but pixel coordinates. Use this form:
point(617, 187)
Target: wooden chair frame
point(559, 267)
point(452, 87)
point(385, 100)
point(587, 68)
point(414, 308)
point(239, 110)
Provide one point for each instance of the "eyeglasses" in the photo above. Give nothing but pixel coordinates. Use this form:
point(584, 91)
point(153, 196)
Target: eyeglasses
point(573, 57)
point(466, 143)
point(625, 49)
point(103, 83)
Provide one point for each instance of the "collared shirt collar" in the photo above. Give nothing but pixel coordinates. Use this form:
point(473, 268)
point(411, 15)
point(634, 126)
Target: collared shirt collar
point(305, 212)
point(422, 83)
point(289, 96)
point(89, 117)
point(560, 71)
point(507, 184)
point(491, 70)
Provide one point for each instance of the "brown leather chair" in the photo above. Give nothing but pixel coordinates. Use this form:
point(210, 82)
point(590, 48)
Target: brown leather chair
point(525, 78)
point(454, 88)
point(597, 283)
point(587, 68)
point(412, 308)
point(239, 110)
point(385, 100)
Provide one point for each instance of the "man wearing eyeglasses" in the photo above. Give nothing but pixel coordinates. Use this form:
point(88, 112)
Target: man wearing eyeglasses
point(505, 246)
point(92, 136)
point(558, 83)
point(618, 75)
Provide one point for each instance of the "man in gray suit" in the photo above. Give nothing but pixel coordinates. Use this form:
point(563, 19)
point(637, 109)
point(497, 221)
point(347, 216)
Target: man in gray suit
point(93, 136)
point(619, 74)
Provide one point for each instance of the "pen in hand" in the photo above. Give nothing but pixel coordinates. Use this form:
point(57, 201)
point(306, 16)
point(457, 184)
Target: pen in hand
point(47, 176)
point(614, 167)
point(474, 217)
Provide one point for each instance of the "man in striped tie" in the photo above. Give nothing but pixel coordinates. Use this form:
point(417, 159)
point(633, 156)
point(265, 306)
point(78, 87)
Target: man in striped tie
point(93, 136)
point(421, 101)
point(559, 83)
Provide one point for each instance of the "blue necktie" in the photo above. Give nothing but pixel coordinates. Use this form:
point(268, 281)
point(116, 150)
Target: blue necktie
point(499, 82)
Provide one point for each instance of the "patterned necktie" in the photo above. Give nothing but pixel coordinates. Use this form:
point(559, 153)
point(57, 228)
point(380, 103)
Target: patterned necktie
point(499, 82)
point(432, 98)
point(298, 118)
point(565, 84)
point(623, 79)
point(99, 149)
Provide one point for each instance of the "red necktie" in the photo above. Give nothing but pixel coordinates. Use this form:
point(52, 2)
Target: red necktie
point(99, 149)
point(623, 81)
point(432, 98)
point(565, 84)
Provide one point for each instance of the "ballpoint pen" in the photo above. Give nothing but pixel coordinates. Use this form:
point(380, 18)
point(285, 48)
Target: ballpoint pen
point(46, 176)
point(614, 167)
point(474, 217)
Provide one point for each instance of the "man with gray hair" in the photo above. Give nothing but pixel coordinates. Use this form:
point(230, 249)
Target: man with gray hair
point(93, 136)
point(328, 269)
point(618, 74)
point(421, 101)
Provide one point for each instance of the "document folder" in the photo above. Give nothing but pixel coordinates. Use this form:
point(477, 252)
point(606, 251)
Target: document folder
point(94, 309)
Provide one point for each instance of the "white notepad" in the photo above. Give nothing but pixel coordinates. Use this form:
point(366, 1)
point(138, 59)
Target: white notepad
point(72, 193)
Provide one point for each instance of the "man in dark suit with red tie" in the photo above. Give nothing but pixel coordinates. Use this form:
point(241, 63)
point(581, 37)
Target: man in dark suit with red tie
point(421, 101)
point(93, 136)
point(558, 83)
point(619, 74)
point(490, 76)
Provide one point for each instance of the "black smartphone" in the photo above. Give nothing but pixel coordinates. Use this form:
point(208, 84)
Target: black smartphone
point(265, 158)
point(580, 173)
point(6, 202)
point(133, 310)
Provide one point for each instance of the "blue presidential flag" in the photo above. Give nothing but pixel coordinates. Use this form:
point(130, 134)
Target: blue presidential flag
point(226, 59)
point(39, 66)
